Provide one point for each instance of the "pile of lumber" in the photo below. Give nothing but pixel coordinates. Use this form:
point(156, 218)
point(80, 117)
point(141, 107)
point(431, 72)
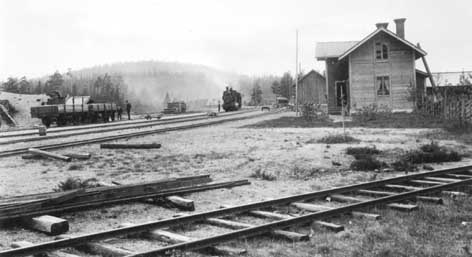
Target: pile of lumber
point(28, 206)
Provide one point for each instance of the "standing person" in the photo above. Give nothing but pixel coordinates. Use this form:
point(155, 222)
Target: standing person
point(120, 111)
point(219, 106)
point(128, 109)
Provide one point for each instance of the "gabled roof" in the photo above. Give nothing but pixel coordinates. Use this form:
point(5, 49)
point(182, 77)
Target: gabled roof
point(308, 74)
point(326, 50)
point(342, 49)
point(419, 51)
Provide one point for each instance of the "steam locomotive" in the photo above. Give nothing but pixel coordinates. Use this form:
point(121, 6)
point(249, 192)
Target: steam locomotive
point(73, 109)
point(231, 100)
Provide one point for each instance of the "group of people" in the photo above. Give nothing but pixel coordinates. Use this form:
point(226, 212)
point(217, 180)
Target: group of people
point(128, 110)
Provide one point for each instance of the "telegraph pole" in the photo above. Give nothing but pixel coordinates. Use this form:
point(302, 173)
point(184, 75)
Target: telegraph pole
point(296, 73)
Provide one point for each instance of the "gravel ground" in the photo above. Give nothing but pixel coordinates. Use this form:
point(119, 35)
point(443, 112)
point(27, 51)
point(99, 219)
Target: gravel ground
point(226, 151)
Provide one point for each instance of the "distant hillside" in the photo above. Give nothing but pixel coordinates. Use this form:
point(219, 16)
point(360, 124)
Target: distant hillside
point(149, 81)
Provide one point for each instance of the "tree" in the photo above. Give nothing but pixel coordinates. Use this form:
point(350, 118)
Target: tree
point(55, 82)
point(285, 83)
point(256, 94)
point(276, 88)
point(24, 86)
point(11, 85)
point(39, 88)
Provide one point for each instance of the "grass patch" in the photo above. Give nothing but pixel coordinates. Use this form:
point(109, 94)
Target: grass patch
point(263, 174)
point(337, 139)
point(362, 150)
point(75, 183)
point(367, 163)
point(428, 153)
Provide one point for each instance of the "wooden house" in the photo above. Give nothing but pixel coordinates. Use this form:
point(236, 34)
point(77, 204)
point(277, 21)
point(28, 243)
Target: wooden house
point(380, 69)
point(311, 89)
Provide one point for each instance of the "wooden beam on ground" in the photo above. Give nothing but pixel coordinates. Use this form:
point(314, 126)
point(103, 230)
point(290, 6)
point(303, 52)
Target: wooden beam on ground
point(48, 224)
point(130, 146)
point(328, 225)
point(31, 157)
point(454, 194)
point(403, 207)
point(294, 236)
point(49, 154)
point(311, 207)
point(365, 215)
point(181, 203)
point(174, 238)
point(270, 215)
point(430, 199)
point(101, 249)
point(80, 156)
point(20, 244)
point(410, 188)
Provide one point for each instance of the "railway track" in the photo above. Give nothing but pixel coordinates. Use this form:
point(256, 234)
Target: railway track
point(102, 128)
point(398, 193)
point(32, 132)
point(211, 121)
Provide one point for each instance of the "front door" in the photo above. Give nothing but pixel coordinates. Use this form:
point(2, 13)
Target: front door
point(341, 93)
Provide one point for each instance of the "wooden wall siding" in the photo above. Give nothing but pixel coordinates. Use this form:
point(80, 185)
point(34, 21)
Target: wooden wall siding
point(400, 67)
point(312, 89)
point(335, 71)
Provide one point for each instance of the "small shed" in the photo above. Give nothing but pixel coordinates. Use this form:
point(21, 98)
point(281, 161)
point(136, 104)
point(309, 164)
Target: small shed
point(311, 88)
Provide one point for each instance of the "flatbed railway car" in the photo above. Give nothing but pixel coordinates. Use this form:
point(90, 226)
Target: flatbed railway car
point(74, 109)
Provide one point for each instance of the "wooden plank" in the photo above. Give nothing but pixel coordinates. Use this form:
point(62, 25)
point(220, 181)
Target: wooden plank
point(49, 154)
point(174, 238)
point(238, 225)
point(47, 224)
point(371, 216)
point(20, 244)
point(410, 188)
point(328, 225)
point(181, 203)
point(344, 198)
point(430, 199)
point(375, 192)
point(101, 249)
point(80, 156)
point(448, 180)
point(130, 146)
point(403, 207)
point(427, 182)
point(311, 207)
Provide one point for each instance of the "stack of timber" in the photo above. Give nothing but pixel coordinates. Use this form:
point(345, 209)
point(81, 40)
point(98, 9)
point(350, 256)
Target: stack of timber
point(57, 202)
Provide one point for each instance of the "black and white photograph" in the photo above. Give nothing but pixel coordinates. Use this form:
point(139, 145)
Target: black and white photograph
point(251, 128)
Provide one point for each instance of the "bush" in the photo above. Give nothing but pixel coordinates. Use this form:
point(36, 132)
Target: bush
point(337, 139)
point(371, 112)
point(75, 183)
point(367, 163)
point(362, 151)
point(264, 175)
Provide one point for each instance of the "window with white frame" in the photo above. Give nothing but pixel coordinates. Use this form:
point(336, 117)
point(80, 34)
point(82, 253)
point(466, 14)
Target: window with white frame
point(381, 51)
point(383, 85)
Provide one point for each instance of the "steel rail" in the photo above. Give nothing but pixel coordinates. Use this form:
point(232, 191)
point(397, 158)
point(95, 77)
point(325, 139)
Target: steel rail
point(127, 135)
point(48, 246)
point(92, 126)
point(266, 228)
point(113, 127)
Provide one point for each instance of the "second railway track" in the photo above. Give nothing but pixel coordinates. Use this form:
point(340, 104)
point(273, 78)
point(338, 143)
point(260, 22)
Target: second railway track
point(397, 193)
point(211, 121)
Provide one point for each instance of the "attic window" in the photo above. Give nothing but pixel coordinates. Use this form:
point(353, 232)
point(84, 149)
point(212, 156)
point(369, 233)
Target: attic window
point(381, 51)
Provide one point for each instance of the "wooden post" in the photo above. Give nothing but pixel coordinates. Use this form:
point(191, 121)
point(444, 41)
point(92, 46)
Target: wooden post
point(49, 154)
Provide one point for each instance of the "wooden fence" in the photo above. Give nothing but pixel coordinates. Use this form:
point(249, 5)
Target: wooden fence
point(455, 108)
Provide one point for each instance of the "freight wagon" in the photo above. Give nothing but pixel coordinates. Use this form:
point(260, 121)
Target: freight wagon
point(74, 109)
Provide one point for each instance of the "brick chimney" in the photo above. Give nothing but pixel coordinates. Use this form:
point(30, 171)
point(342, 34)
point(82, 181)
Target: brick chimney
point(400, 24)
point(382, 25)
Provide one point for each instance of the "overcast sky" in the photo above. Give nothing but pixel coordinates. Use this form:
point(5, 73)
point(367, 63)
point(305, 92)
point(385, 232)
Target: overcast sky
point(250, 37)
